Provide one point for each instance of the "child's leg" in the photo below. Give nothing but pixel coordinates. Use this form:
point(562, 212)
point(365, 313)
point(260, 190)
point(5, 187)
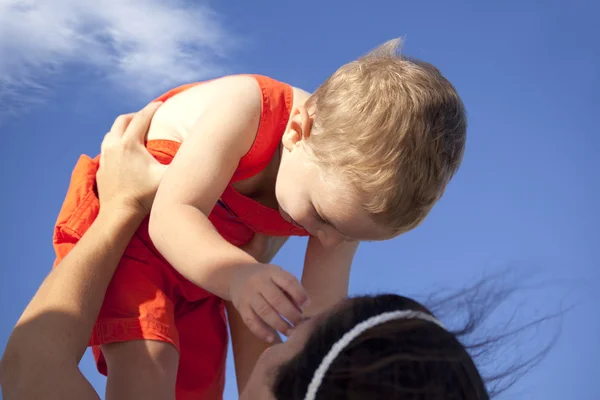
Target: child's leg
point(135, 339)
point(141, 369)
point(146, 306)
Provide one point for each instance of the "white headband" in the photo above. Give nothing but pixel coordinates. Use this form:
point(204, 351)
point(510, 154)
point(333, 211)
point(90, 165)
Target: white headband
point(349, 336)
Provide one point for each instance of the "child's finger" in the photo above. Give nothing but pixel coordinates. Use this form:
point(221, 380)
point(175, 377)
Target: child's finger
point(264, 309)
point(290, 285)
point(282, 304)
point(256, 325)
point(138, 128)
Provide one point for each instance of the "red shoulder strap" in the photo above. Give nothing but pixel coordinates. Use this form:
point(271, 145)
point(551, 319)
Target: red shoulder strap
point(277, 99)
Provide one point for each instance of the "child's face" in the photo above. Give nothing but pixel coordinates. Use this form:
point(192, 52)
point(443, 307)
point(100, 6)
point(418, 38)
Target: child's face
point(324, 204)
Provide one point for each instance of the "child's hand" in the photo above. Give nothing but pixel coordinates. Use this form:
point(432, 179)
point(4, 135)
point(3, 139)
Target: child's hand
point(264, 294)
point(129, 175)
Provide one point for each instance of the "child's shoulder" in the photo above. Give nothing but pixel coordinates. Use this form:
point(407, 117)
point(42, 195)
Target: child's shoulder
point(270, 86)
point(184, 105)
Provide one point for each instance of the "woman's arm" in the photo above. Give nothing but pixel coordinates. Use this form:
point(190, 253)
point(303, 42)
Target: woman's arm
point(43, 352)
point(42, 355)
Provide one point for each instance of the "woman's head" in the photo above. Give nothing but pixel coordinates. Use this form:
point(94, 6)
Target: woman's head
point(407, 355)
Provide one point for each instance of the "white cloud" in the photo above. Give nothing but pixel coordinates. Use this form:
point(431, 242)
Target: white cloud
point(139, 45)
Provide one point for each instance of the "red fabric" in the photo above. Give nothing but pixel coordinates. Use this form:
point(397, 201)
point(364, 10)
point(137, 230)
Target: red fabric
point(147, 298)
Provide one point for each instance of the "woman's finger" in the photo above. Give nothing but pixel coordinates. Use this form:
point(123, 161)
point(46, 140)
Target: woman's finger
point(110, 140)
point(120, 125)
point(138, 127)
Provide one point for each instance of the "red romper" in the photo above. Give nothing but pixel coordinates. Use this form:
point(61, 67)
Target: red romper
point(147, 298)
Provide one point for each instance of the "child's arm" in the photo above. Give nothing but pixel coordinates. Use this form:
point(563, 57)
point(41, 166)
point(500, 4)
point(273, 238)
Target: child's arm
point(326, 273)
point(246, 347)
point(325, 277)
point(198, 175)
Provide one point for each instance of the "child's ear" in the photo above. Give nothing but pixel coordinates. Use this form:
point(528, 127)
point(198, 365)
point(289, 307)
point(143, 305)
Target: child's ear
point(298, 129)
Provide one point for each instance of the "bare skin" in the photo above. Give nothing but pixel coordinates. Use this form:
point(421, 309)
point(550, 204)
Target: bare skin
point(188, 191)
point(44, 350)
point(216, 124)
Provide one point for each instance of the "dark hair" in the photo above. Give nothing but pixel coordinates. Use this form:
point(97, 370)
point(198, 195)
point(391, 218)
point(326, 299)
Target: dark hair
point(400, 359)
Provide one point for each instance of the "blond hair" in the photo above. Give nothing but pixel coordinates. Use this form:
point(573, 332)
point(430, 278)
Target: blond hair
point(395, 127)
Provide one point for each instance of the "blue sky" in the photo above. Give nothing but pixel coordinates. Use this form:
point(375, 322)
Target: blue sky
point(526, 196)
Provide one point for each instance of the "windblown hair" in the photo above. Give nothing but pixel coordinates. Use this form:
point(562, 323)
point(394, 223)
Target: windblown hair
point(402, 359)
point(408, 359)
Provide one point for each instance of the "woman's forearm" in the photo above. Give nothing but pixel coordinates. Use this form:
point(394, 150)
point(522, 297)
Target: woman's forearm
point(59, 320)
point(189, 241)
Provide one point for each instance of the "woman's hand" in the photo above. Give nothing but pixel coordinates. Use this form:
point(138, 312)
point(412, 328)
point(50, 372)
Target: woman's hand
point(42, 356)
point(129, 175)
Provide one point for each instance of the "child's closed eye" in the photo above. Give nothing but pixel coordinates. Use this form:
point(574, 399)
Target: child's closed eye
point(318, 217)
